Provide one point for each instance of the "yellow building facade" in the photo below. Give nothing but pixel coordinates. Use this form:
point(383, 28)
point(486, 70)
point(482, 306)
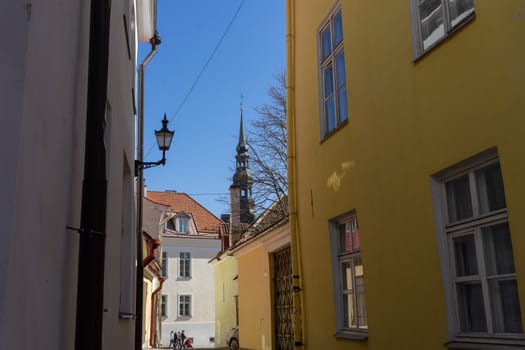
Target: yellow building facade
point(406, 141)
point(226, 296)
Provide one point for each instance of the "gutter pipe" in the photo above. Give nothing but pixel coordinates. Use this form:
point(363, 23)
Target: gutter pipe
point(298, 296)
point(91, 252)
point(140, 193)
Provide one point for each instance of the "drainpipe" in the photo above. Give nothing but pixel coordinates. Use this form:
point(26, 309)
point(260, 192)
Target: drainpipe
point(140, 193)
point(298, 298)
point(152, 324)
point(90, 288)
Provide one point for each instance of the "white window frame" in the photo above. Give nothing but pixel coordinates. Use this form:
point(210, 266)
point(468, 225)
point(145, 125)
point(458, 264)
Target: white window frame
point(184, 270)
point(446, 232)
point(360, 332)
point(324, 63)
point(180, 221)
point(449, 27)
point(184, 311)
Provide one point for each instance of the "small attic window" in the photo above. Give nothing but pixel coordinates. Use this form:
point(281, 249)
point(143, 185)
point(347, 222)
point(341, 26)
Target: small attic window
point(182, 222)
point(170, 225)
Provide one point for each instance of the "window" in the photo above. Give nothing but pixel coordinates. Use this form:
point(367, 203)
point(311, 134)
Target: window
point(182, 223)
point(349, 289)
point(334, 108)
point(164, 306)
point(179, 224)
point(164, 264)
point(184, 305)
point(184, 265)
point(434, 20)
point(476, 251)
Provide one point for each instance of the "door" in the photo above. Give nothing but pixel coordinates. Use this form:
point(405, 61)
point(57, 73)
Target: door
point(284, 332)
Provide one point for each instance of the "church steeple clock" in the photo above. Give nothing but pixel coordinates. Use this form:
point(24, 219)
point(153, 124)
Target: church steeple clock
point(243, 177)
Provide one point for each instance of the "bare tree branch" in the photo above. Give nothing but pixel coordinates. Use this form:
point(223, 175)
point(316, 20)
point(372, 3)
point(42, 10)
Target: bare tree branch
point(267, 140)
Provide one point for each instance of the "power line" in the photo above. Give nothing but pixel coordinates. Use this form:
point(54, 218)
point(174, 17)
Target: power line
point(205, 66)
point(209, 194)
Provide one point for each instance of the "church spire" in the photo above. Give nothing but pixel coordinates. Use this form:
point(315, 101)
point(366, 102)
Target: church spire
point(242, 146)
point(243, 177)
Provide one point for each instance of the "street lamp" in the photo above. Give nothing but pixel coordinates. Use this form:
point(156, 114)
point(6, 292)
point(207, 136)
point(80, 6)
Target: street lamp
point(164, 137)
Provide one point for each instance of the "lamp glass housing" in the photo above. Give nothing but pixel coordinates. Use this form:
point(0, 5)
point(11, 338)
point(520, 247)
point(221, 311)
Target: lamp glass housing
point(164, 135)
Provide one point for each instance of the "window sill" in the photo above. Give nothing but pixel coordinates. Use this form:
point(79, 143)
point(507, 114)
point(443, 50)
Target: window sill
point(334, 130)
point(353, 335)
point(486, 344)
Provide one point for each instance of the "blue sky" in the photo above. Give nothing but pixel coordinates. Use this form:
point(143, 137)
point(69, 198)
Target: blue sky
point(202, 153)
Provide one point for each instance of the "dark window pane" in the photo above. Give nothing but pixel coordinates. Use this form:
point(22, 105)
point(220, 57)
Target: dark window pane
point(490, 189)
point(326, 42)
point(459, 9)
point(338, 28)
point(505, 306)
point(346, 275)
point(497, 247)
point(459, 202)
point(471, 309)
point(345, 243)
point(465, 255)
point(431, 17)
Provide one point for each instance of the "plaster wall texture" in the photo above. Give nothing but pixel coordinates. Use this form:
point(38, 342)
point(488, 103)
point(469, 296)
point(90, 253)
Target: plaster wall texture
point(407, 121)
point(43, 89)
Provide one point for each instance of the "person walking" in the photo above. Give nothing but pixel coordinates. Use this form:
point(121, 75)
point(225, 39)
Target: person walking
point(178, 340)
point(183, 339)
point(171, 340)
point(174, 339)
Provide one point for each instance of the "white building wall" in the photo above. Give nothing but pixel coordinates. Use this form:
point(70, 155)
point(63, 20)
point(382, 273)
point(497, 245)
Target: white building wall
point(201, 287)
point(43, 92)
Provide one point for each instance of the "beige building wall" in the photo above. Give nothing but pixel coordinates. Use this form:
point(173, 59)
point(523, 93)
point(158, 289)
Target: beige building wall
point(256, 281)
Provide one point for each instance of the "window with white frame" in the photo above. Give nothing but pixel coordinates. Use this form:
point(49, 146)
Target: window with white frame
point(182, 221)
point(184, 305)
point(164, 306)
point(185, 265)
point(182, 225)
point(434, 20)
point(476, 250)
point(334, 106)
point(349, 288)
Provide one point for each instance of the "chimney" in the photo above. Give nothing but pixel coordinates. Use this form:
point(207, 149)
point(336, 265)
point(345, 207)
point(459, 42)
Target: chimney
point(235, 214)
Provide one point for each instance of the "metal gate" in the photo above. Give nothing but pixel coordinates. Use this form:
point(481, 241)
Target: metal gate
point(284, 322)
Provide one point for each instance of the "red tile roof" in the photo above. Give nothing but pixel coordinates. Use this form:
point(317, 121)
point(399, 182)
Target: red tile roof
point(181, 202)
